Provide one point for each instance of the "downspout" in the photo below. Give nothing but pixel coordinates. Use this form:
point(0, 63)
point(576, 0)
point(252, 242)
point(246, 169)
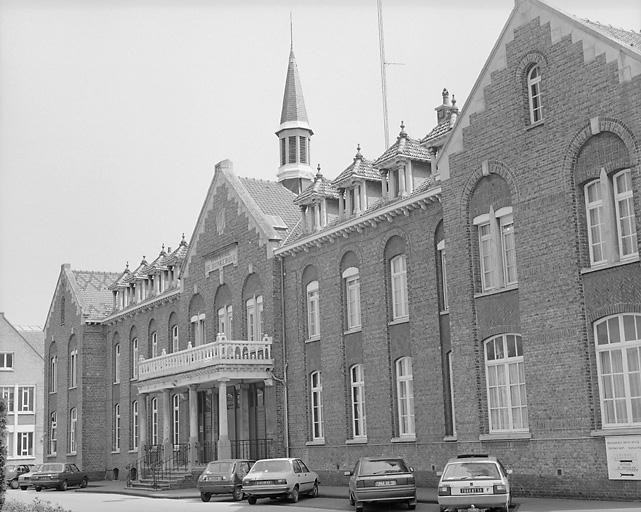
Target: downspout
point(284, 353)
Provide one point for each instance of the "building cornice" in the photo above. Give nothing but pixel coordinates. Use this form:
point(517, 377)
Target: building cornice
point(146, 305)
point(358, 224)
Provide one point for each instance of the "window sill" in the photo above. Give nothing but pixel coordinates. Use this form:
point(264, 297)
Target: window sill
point(604, 266)
point(72, 454)
point(449, 439)
point(506, 436)
point(135, 450)
point(357, 440)
point(353, 330)
point(401, 320)
point(72, 387)
point(133, 379)
point(444, 312)
point(404, 439)
point(52, 392)
point(6, 369)
point(113, 452)
point(312, 339)
point(616, 431)
point(52, 455)
point(497, 291)
point(316, 442)
point(534, 125)
point(116, 382)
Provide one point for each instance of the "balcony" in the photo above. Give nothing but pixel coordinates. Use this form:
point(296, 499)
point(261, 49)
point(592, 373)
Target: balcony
point(221, 360)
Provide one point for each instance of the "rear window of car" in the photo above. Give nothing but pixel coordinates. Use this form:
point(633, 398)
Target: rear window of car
point(380, 467)
point(264, 466)
point(471, 470)
point(52, 467)
point(220, 467)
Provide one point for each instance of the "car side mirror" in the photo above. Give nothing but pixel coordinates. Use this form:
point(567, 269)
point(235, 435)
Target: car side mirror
point(509, 471)
point(439, 473)
point(347, 473)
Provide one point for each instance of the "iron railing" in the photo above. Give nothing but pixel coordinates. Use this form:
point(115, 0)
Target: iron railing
point(251, 449)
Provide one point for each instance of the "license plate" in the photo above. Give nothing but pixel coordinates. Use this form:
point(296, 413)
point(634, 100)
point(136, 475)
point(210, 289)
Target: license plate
point(263, 482)
point(384, 483)
point(471, 490)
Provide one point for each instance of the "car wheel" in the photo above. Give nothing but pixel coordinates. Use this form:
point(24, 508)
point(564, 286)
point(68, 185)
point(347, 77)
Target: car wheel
point(83, 483)
point(351, 499)
point(293, 495)
point(314, 492)
point(38, 489)
point(23, 487)
point(13, 484)
point(237, 495)
point(251, 500)
point(205, 496)
point(411, 505)
point(63, 486)
point(358, 506)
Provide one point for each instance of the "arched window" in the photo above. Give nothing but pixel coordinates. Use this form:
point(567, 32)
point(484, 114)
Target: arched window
point(53, 433)
point(135, 358)
point(505, 380)
point(134, 425)
point(116, 363)
point(618, 349)
point(351, 278)
point(357, 382)
point(317, 406)
point(73, 422)
point(398, 272)
point(313, 310)
point(405, 397)
point(73, 367)
point(116, 429)
point(534, 94)
point(254, 316)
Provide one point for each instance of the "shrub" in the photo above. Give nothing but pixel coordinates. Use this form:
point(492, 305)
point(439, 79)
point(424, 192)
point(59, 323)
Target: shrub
point(36, 506)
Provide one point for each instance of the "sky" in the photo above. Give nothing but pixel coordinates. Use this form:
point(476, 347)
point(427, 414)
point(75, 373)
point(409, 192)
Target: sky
point(113, 113)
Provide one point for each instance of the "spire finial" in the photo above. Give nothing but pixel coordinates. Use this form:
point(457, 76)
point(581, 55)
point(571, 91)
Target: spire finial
point(183, 242)
point(358, 155)
point(319, 175)
point(402, 134)
point(127, 267)
point(291, 32)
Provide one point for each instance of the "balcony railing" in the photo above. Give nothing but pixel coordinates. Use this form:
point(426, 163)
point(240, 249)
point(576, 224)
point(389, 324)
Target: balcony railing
point(219, 353)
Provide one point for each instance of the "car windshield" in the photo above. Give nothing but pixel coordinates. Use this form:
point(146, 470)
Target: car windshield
point(381, 467)
point(52, 467)
point(471, 470)
point(223, 468)
point(266, 466)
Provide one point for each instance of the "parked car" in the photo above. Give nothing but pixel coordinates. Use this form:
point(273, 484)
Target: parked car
point(13, 471)
point(280, 478)
point(474, 481)
point(58, 475)
point(378, 479)
point(224, 477)
point(24, 480)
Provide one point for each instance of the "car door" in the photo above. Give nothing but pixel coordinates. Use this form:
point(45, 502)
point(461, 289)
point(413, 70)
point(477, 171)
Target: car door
point(74, 474)
point(306, 476)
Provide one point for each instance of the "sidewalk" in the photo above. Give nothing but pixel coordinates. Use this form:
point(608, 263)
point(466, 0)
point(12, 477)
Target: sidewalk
point(424, 495)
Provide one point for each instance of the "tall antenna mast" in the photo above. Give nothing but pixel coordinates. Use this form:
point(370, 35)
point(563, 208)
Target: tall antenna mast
point(383, 71)
point(291, 32)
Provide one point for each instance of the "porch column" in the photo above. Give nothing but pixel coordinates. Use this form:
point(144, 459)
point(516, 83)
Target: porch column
point(224, 446)
point(193, 426)
point(142, 425)
point(167, 444)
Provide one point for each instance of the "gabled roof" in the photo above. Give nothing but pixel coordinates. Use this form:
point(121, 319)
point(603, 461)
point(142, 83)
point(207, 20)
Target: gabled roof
point(34, 337)
point(616, 44)
point(404, 147)
point(359, 169)
point(293, 113)
point(175, 258)
point(320, 188)
point(272, 199)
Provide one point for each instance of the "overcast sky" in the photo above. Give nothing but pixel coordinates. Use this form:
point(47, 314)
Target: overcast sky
point(114, 113)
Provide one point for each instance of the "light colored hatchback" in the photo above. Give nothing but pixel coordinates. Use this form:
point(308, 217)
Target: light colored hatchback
point(279, 478)
point(224, 477)
point(477, 481)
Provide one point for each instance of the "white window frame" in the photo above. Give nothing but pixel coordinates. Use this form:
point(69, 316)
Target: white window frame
point(497, 249)
point(440, 249)
point(25, 446)
point(53, 374)
point(73, 368)
point(26, 403)
point(73, 425)
point(505, 381)
point(451, 379)
point(175, 402)
point(620, 336)
point(7, 360)
point(313, 310)
point(53, 433)
point(352, 280)
point(116, 429)
point(135, 357)
point(534, 94)
point(596, 241)
point(225, 319)
point(175, 342)
point(154, 344)
point(135, 425)
point(405, 398)
point(398, 277)
point(316, 406)
point(154, 421)
point(116, 363)
point(199, 330)
point(357, 385)
point(254, 311)
point(625, 218)
point(8, 394)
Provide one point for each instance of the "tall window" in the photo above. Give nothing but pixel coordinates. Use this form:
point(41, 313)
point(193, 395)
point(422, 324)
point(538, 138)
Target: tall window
point(303, 149)
point(534, 94)
point(154, 421)
point(134, 358)
point(506, 396)
point(313, 310)
point(116, 429)
point(225, 319)
point(53, 429)
point(7, 393)
point(398, 267)
point(618, 349)
point(254, 310)
point(174, 338)
point(440, 248)
point(352, 297)
point(134, 425)
point(62, 310)
point(116, 363)
point(497, 251)
point(199, 334)
point(176, 419)
point(73, 422)
point(359, 429)
point(73, 368)
point(6, 360)
point(25, 444)
point(283, 152)
point(53, 374)
point(405, 397)
point(451, 384)
point(291, 141)
point(26, 396)
point(611, 226)
point(317, 406)
point(154, 344)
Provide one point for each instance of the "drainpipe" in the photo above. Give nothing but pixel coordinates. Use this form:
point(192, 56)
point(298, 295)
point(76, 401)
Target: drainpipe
point(284, 350)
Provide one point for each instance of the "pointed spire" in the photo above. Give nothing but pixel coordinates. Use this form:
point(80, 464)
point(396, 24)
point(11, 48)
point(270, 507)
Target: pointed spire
point(291, 33)
point(293, 112)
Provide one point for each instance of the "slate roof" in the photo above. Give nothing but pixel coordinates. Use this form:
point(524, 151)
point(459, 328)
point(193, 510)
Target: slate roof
point(627, 38)
point(293, 102)
point(320, 187)
point(92, 292)
point(273, 199)
point(403, 147)
point(440, 129)
point(360, 168)
point(176, 257)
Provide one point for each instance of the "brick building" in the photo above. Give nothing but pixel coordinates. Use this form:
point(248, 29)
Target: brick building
point(21, 385)
point(474, 289)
